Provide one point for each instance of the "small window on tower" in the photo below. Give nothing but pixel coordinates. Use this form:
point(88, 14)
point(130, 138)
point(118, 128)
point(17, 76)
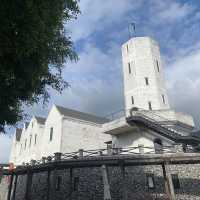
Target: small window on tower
point(127, 48)
point(158, 68)
point(129, 68)
point(163, 98)
point(146, 81)
point(132, 100)
point(150, 106)
point(51, 134)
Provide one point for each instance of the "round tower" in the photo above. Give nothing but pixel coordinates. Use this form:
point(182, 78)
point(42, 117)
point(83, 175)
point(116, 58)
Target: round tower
point(144, 85)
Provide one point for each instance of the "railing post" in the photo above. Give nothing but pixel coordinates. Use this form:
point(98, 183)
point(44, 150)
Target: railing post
point(57, 156)
point(43, 160)
point(109, 150)
point(124, 193)
point(141, 148)
point(80, 152)
point(107, 195)
point(28, 185)
point(10, 187)
point(168, 182)
point(15, 187)
point(70, 183)
point(48, 183)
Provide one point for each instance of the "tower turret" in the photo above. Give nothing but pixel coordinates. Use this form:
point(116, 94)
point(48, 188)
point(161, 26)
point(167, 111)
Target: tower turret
point(144, 85)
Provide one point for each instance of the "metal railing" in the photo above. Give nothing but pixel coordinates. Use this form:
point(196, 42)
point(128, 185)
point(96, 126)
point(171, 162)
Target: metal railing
point(84, 154)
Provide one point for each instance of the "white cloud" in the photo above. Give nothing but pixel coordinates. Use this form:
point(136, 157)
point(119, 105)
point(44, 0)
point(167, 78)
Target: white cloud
point(183, 78)
point(96, 15)
point(169, 11)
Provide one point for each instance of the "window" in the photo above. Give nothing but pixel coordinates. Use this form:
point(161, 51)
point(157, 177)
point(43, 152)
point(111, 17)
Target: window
point(150, 106)
point(35, 139)
point(150, 181)
point(25, 144)
point(163, 98)
point(58, 183)
point(51, 134)
point(32, 124)
point(127, 48)
point(76, 183)
point(129, 68)
point(157, 64)
point(146, 81)
point(30, 140)
point(175, 181)
point(132, 100)
point(158, 145)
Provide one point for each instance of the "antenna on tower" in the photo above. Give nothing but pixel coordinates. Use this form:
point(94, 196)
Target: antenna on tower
point(131, 29)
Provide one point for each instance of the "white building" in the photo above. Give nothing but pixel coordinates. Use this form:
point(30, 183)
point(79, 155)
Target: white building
point(148, 121)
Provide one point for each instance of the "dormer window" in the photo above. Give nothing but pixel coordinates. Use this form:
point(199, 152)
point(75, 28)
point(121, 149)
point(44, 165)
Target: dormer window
point(51, 134)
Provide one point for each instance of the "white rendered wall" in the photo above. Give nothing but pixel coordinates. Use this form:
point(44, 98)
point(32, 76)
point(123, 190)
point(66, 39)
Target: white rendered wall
point(139, 138)
point(54, 120)
point(19, 153)
point(79, 134)
point(142, 53)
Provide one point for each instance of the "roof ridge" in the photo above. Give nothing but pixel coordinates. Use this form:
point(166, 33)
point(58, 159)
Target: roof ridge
point(81, 115)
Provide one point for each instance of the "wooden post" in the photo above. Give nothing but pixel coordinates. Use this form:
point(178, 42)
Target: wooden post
point(168, 182)
point(48, 184)
point(58, 156)
point(70, 183)
point(107, 195)
point(124, 193)
point(80, 153)
point(10, 187)
point(28, 186)
point(15, 187)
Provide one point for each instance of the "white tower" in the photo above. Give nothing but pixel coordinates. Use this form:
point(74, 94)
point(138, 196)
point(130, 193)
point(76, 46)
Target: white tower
point(144, 85)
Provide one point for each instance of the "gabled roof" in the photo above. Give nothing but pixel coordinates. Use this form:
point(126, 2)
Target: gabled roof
point(40, 120)
point(81, 115)
point(18, 134)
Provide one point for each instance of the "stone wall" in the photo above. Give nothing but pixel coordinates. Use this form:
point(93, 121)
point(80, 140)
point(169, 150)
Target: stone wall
point(87, 183)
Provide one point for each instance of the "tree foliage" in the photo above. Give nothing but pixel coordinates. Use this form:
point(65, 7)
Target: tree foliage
point(33, 48)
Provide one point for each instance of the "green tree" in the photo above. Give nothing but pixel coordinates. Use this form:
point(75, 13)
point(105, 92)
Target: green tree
point(33, 48)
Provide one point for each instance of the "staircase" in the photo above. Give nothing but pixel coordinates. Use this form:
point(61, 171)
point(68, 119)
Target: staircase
point(163, 126)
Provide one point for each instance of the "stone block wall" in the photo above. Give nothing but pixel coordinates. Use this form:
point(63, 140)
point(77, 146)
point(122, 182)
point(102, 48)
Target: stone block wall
point(87, 183)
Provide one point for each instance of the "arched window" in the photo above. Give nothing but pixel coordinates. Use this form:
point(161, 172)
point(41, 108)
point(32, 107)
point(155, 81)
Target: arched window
point(158, 145)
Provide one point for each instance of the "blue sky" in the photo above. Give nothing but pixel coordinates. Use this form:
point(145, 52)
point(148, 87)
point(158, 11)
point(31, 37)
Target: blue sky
point(99, 32)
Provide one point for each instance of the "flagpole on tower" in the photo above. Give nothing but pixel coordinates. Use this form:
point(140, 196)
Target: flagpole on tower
point(131, 29)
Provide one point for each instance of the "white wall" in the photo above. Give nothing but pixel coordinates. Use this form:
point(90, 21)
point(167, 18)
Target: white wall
point(54, 120)
point(139, 137)
point(142, 53)
point(79, 134)
point(19, 153)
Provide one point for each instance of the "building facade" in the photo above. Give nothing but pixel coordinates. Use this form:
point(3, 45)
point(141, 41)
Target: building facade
point(148, 120)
